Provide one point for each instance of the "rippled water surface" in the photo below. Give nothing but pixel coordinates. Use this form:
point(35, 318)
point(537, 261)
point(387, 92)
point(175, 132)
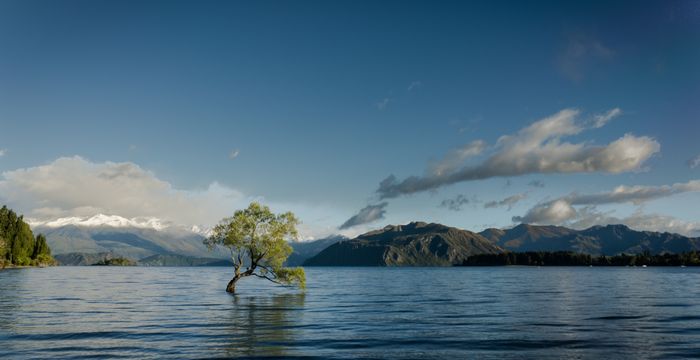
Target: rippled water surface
point(493, 312)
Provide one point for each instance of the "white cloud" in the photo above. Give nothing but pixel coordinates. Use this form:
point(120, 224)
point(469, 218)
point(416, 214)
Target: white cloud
point(3, 152)
point(76, 189)
point(554, 212)
point(538, 149)
point(563, 211)
point(74, 186)
point(234, 154)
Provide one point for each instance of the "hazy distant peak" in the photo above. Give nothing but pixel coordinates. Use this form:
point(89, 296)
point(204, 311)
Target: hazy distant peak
point(201, 230)
point(116, 221)
point(104, 220)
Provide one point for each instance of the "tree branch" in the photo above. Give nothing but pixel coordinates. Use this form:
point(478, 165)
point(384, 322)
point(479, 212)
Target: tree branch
point(273, 280)
point(265, 267)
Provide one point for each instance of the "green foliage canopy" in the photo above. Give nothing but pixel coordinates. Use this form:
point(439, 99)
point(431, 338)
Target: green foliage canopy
point(18, 246)
point(257, 240)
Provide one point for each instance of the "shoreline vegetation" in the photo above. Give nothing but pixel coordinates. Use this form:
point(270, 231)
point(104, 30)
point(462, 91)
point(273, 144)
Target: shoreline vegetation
point(117, 261)
point(530, 258)
point(18, 245)
point(566, 258)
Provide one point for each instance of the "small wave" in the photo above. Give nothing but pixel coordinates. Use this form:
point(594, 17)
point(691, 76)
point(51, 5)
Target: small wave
point(619, 317)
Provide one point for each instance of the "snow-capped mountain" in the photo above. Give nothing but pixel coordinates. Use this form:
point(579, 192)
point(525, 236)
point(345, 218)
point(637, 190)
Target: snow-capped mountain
point(140, 238)
point(102, 220)
point(135, 238)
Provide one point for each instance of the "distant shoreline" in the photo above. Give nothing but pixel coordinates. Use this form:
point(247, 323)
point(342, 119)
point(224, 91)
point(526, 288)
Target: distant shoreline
point(13, 267)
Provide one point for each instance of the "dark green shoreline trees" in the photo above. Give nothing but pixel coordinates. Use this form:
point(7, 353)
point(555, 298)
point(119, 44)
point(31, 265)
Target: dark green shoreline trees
point(566, 258)
point(18, 246)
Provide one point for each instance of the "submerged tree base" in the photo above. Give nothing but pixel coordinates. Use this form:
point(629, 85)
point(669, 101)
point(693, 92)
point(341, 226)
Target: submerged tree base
point(231, 287)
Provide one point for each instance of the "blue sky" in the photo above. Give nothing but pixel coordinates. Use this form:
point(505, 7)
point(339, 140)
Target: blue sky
point(321, 101)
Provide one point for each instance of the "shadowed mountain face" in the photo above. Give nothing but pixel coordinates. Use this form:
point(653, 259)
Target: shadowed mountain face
point(597, 240)
point(307, 249)
point(414, 244)
point(526, 237)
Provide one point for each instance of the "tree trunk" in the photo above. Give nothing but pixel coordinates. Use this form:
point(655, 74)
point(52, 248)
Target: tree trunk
point(231, 287)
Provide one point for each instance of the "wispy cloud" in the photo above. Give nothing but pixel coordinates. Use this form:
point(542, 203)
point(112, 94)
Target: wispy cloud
point(233, 154)
point(601, 120)
point(694, 162)
point(414, 86)
point(538, 149)
point(381, 105)
point(458, 202)
point(455, 159)
point(3, 152)
point(581, 53)
point(634, 194)
point(508, 202)
point(368, 214)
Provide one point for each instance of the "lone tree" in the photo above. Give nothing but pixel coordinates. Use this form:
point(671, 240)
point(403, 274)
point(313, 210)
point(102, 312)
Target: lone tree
point(256, 239)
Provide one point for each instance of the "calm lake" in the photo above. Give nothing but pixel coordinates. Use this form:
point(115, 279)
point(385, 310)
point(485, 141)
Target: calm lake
point(491, 312)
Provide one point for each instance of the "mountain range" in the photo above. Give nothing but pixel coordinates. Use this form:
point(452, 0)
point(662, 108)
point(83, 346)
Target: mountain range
point(596, 240)
point(80, 241)
point(150, 242)
point(414, 244)
point(131, 242)
point(422, 244)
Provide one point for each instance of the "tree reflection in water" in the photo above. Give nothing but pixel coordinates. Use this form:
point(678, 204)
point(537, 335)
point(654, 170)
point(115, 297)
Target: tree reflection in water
point(264, 326)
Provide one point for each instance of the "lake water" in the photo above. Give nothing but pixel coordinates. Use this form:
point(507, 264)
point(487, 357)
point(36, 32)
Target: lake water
point(492, 312)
